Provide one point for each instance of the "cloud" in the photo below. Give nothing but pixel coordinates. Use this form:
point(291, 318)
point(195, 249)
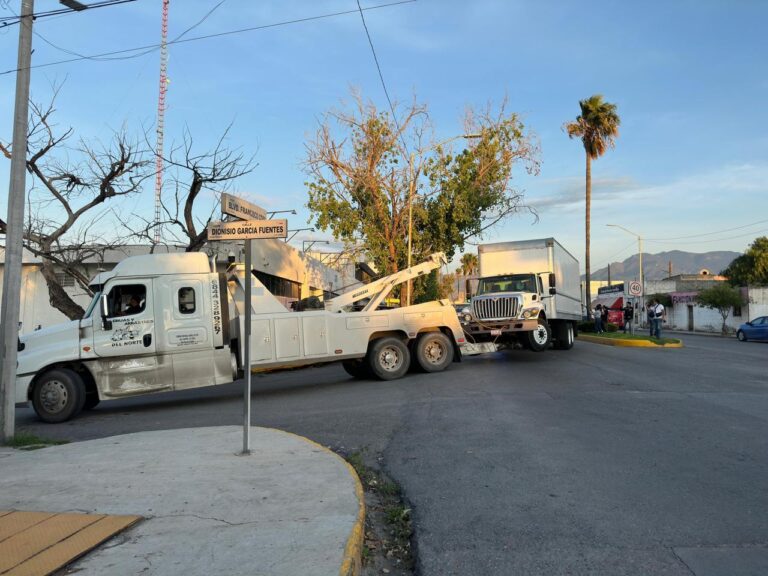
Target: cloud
point(569, 192)
point(713, 187)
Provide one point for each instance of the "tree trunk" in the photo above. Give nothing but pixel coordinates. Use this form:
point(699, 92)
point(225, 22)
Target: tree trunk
point(58, 298)
point(587, 275)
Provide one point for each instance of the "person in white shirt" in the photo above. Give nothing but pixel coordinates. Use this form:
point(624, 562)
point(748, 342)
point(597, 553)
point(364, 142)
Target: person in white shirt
point(658, 318)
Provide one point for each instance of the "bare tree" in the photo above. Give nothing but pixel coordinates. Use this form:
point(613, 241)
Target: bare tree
point(67, 196)
point(184, 220)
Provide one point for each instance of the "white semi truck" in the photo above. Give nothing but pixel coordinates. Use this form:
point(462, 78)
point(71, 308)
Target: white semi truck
point(170, 322)
point(529, 292)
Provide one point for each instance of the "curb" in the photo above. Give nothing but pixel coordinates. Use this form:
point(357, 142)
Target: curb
point(626, 343)
point(352, 561)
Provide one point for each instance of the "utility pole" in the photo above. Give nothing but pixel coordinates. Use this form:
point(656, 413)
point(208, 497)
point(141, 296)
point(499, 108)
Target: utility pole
point(15, 228)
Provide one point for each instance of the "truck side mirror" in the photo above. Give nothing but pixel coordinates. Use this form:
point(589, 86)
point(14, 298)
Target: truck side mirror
point(552, 291)
point(106, 324)
point(552, 281)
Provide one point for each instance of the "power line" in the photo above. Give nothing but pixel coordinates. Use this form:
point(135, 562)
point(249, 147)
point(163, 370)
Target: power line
point(707, 233)
point(215, 35)
point(381, 76)
point(753, 233)
point(102, 59)
point(6, 20)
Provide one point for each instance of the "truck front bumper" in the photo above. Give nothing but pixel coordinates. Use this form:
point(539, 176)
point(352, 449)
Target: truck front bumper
point(498, 328)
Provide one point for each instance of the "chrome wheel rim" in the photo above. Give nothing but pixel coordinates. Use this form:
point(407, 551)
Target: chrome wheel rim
point(540, 335)
point(390, 359)
point(54, 396)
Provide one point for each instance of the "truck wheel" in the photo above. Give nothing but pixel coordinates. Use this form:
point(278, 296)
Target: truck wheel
point(356, 368)
point(539, 338)
point(58, 395)
point(434, 351)
point(564, 336)
point(388, 358)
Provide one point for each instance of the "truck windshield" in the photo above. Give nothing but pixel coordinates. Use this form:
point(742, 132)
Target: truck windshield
point(509, 283)
point(92, 305)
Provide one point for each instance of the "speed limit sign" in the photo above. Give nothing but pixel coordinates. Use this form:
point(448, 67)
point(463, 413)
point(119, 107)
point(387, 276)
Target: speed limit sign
point(634, 288)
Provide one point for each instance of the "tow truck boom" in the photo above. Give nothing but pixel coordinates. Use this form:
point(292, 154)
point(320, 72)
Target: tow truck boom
point(378, 290)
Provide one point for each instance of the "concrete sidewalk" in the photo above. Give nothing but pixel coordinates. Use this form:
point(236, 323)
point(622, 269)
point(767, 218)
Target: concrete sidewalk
point(291, 508)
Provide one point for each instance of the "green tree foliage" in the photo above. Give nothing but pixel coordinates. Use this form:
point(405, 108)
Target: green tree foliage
point(751, 268)
point(722, 298)
point(597, 126)
point(366, 170)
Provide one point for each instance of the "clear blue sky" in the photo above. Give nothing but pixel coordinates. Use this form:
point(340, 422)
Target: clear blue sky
point(688, 77)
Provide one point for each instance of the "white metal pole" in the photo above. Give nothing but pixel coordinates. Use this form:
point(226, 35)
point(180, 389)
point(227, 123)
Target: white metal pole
point(9, 332)
point(247, 353)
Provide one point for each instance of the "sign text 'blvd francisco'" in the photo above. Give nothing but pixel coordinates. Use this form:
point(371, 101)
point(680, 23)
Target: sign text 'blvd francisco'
point(248, 229)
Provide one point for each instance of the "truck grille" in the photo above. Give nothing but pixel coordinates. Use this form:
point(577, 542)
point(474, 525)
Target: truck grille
point(495, 307)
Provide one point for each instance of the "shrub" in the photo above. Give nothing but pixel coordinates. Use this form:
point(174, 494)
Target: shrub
point(586, 326)
point(611, 327)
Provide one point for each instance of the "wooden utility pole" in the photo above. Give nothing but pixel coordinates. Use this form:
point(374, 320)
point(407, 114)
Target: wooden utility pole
point(9, 318)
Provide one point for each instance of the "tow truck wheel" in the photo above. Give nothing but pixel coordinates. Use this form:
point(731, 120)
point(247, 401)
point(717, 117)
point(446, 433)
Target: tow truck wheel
point(356, 368)
point(539, 338)
point(434, 351)
point(58, 395)
point(388, 358)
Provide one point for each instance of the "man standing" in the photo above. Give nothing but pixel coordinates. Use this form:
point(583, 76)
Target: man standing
point(658, 317)
point(629, 316)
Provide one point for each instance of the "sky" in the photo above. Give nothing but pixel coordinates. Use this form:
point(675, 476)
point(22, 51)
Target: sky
point(689, 170)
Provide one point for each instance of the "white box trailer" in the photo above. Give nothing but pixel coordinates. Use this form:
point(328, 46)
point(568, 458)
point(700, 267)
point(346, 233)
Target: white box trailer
point(164, 322)
point(529, 291)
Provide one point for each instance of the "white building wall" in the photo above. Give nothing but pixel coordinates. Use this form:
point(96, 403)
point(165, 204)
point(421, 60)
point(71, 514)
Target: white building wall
point(758, 302)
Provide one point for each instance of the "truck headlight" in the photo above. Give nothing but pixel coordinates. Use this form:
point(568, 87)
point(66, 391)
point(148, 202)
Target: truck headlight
point(466, 314)
point(530, 313)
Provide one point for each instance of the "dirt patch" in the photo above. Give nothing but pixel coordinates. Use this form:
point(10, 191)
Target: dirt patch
point(387, 542)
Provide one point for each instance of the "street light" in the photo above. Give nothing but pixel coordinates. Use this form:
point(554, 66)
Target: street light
point(411, 191)
point(311, 243)
point(296, 232)
point(640, 253)
point(270, 214)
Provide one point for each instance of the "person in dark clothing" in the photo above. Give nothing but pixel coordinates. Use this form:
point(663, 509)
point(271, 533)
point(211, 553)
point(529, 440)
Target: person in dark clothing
point(599, 319)
point(134, 307)
point(629, 316)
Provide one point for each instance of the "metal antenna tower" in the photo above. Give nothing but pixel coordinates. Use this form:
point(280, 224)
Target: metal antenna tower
point(161, 118)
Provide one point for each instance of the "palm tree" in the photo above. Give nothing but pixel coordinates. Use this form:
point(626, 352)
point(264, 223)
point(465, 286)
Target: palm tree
point(598, 127)
point(468, 264)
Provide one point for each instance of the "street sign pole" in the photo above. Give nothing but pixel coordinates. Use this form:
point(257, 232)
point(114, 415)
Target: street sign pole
point(247, 352)
point(251, 223)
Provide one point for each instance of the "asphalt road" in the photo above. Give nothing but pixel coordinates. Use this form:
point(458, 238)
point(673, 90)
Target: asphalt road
point(597, 460)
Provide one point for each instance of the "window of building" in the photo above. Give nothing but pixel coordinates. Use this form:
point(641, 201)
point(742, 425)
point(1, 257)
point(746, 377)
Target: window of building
point(64, 280)
point(127, 300)
point(187, 300)
point(736, 311)
point(279, 286)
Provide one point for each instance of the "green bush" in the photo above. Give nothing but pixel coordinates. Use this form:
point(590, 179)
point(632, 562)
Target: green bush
point(611, 327)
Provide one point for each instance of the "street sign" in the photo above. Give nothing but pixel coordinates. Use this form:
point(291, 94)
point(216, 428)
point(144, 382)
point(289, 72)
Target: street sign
point(612, 289)
point(635, 289)
point(248, 229)
point(239, 208)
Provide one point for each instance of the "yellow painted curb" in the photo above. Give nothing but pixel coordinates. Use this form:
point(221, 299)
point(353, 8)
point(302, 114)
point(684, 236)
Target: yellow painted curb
point(626, 343)
point(352, 561)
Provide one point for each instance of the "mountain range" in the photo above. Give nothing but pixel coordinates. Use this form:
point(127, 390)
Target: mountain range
point(657, 266)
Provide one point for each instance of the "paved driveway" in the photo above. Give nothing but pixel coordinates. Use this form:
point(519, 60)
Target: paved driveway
point(598, 460)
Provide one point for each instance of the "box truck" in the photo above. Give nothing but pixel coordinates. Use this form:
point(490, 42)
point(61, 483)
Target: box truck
point(528, 292)
point(164, 322)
